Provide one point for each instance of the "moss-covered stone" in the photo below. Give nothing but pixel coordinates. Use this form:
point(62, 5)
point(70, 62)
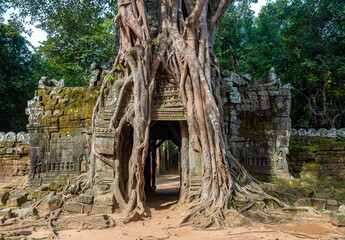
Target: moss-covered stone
point(256, 126)
point(314, 157)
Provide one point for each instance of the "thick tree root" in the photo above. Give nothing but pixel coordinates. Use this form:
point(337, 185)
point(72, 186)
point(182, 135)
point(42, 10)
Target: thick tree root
point(183, 52)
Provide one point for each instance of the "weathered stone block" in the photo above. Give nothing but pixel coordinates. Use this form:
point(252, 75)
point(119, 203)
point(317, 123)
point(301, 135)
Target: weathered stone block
point(54, 202)
point(325, 216)
point(4, 198)
point(304, 192)
point(83, 221)
point(87, 208)
point(105, 199)
point(85, 198)
point(37, 194)
point(11, 221)
point(2, 219)
point(17, 199)
point(25, 212)
point(341, 209)
point(303, 202)
point(7, 212)
point(102, 209)
point(44, 187)
point(331, 204)
point(318, 203)
point(73, 207)
point(55, 186)
point(337, 219)
point(104, 145)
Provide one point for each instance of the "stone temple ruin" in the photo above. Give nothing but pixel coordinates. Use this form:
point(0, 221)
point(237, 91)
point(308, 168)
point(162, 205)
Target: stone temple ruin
point(59, 129)
point(258, 122)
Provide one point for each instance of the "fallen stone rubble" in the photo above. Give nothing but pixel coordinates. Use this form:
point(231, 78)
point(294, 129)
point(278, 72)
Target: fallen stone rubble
point(49, 206)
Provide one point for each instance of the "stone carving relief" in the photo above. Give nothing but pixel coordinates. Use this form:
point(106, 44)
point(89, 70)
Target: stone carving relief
point(35, 110)
point(166, 95)
point(46, 83)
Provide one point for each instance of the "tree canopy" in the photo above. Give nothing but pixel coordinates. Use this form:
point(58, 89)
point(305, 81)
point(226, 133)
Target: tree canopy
point(302, 39)
point(17, 78)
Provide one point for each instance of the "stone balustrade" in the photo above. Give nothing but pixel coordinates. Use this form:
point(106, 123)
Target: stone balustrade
point(322, 132)
point(14, 155)
point(12, 137)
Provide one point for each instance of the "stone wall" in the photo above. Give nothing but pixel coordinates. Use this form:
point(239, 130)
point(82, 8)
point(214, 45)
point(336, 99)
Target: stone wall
point(317, 154)
point(14, 156)
point(59, 129)
point(257, 119)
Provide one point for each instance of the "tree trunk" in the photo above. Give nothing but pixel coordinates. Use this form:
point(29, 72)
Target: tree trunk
point(182, 45)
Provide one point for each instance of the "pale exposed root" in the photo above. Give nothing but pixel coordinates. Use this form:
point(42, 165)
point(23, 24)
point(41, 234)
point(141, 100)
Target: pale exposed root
point(25, 226)
point(311, 210)
point(250, 202)
point(55, 235)
point(119, 101)
point(81, 181)
point(295, 233)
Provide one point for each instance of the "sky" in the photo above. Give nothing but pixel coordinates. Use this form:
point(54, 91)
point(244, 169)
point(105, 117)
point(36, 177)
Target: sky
point(39, 35)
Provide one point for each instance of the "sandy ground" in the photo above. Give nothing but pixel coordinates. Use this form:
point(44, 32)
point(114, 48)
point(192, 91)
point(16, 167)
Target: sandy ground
point(164, 219)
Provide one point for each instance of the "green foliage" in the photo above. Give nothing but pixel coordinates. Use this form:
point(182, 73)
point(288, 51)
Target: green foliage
point(16, 80)
point(303, 40)
point(79, 33)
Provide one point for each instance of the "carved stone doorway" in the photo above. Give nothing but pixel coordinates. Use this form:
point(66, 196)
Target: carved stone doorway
point(164, 152)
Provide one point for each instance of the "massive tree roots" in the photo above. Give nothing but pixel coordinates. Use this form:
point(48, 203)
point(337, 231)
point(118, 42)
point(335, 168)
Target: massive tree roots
point(183, 47)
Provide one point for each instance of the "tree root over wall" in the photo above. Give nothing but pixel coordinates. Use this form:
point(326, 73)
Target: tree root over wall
point(184, 49)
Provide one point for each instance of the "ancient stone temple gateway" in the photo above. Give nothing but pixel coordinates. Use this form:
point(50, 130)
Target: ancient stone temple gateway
point(256, 117)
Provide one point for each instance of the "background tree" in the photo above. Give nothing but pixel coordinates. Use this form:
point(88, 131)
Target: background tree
point(314, 43)
point(304, 41)
point(79, 33)
point(17, 82)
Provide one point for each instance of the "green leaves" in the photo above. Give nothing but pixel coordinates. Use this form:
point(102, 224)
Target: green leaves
point(79, 33)
point(16, 81)
point(302, 39)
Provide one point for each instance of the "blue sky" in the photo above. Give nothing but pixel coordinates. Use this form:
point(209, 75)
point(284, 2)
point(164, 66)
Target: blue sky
point(38, 35)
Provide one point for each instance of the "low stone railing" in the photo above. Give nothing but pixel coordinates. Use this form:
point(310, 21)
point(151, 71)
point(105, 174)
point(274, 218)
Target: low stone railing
point(322, 132)
point(13, 137)
point(14, 155)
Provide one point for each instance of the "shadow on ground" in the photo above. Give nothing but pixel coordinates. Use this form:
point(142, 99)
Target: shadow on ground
point(166, 193)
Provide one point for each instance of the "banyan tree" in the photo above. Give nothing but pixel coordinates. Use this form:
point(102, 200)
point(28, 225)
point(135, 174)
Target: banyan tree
point(167, 46)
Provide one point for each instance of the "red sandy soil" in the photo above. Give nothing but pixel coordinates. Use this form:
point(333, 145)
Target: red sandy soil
point(165, 218)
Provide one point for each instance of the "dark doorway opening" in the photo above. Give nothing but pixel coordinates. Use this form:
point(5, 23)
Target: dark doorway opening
point(162, 166)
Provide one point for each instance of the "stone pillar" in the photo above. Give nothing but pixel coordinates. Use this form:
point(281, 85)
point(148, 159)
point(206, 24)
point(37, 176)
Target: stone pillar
point(195, 168)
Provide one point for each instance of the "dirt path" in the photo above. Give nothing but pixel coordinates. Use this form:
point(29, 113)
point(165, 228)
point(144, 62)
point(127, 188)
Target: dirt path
point(164, 218)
